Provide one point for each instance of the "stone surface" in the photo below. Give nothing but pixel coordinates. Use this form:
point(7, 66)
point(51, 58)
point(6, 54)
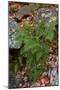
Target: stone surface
point(47, 14)
point(26, 10)
point(12, 80)
point(12, 31)
point(53, 70)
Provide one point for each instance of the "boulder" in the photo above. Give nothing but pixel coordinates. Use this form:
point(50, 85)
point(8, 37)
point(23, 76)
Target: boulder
point(12, 31)
point(26, 10)
point(48, 14)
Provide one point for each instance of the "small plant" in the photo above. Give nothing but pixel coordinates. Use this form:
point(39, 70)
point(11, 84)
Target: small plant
point(35, 47)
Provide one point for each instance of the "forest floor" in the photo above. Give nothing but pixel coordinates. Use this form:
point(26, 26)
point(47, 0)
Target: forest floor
point(49, 78)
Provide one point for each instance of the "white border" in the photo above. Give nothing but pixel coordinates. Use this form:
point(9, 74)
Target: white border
point(4, 42)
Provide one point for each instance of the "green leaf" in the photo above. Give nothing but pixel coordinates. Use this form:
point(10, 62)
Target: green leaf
point(35, 49)
point(16, 67)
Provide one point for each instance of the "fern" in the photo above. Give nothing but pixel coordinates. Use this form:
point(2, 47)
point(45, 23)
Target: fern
point(35, 48)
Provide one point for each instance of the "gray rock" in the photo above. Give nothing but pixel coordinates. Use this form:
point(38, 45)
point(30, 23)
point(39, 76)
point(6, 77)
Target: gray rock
point(23, 11)
point(26, 10)
point(53, 74)
point(12, 80)
point(47, 14)
point(53, 77)
point(12, 28)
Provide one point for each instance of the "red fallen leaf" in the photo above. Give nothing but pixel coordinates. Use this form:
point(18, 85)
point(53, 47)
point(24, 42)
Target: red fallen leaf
point(44, 81)
point(41, 82)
